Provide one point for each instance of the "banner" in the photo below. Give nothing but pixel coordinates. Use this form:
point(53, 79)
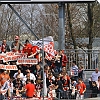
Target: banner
point(2, 56)
point(8, 67)
point(10, 56)
point(13, 58)
point(10, 53)
point(27, 61)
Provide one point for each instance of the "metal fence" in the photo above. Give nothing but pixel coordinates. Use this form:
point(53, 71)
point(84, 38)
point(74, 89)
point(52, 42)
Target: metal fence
point(86, 96)
point(89, 59)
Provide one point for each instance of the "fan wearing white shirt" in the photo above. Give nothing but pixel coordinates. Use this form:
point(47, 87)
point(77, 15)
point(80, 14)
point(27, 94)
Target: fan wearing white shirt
point(19, 72)
point(30, 75)
point(94, 76)
point(74, 70)
point(4, 89)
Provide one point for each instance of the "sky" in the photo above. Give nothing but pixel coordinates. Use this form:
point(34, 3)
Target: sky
point(99, 1)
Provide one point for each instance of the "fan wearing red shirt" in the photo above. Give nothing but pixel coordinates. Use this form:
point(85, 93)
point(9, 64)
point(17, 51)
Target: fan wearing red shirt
point(4, 76)
point(65, 81)
point(30, 89)
point(35, 52)
point(64, 59)
point(81, 88)
point(27, 48)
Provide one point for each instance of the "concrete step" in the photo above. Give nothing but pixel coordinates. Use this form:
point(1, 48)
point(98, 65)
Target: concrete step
point(98, 98)
point(88, 75)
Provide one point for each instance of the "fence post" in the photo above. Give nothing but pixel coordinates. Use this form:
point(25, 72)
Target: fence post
point(4, 98)
point(99, 60)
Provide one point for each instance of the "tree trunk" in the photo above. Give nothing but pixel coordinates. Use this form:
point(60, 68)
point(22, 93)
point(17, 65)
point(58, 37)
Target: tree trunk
point(70, 26)
point(90, 33)
point(71, 33)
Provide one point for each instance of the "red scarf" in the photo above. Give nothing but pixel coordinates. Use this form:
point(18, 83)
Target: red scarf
point(3, 47)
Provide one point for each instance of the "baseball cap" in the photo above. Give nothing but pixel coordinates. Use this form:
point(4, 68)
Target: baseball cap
point(16, 37)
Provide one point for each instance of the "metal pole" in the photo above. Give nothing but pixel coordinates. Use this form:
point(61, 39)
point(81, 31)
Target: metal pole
point(23, 21)
point(59, 96)
point(43, 57)
point(61, 26)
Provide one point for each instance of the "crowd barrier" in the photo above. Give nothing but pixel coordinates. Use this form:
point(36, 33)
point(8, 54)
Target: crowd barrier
point(34, 98)
point(66, 96)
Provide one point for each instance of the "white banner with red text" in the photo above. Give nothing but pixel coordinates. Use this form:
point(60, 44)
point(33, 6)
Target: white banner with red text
point(27, 61)
point(8, 67)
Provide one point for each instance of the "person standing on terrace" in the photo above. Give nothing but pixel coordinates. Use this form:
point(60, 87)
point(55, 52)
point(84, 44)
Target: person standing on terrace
point(16, 45)
point(94, 77)
point(4, 76)
point(74, 70)
point(30, 89)
point(4, 46)
point(27, 48)
point(81, 88)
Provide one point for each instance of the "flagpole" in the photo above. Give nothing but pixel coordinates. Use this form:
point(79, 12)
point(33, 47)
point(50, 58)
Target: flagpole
point(43, 57)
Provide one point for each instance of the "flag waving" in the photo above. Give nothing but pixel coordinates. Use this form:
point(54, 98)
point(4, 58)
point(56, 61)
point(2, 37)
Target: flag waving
point(48, 45)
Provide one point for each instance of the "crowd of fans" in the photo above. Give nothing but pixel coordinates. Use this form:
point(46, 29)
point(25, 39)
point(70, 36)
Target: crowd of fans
point(28, 81)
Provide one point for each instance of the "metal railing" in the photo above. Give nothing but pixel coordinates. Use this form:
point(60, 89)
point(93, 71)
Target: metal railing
point(89, 59)
point(67, 95)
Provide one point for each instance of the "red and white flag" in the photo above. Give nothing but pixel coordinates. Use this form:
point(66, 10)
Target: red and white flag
point(48, 46)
